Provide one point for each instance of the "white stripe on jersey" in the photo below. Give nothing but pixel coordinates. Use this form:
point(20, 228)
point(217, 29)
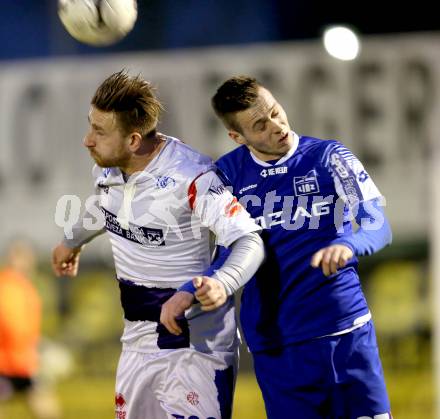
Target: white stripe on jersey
point(352, 182)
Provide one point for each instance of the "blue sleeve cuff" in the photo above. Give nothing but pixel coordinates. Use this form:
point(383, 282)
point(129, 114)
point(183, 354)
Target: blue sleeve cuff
point(374, 231)
point(188, 287)
point(345, 243)
point(219, 260)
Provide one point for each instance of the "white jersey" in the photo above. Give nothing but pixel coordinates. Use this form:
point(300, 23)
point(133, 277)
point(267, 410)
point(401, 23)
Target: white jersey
point(159, 222)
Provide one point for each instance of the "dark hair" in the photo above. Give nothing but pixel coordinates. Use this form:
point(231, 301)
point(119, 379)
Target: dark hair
point(133, 101)
point(234, 95)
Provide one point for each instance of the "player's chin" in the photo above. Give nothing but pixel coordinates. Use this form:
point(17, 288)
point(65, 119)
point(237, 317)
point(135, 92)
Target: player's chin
point(99, 162)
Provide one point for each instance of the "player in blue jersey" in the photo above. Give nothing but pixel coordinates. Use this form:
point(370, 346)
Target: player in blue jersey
point(304, 315)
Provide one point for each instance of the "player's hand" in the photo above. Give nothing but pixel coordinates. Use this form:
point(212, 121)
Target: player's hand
point(174, 308)
point(65, 260)
point(332, 258)
point(211, 293)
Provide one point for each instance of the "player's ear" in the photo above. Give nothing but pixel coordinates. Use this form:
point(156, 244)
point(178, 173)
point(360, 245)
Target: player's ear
point(135, 141)
point(236, 137)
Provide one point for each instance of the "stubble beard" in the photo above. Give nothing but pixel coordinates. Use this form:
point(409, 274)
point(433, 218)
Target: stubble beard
point(109, 162)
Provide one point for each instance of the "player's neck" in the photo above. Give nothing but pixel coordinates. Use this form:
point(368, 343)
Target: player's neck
point(265, 157)
point(143, 157)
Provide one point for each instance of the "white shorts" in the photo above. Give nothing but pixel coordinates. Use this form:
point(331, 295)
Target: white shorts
point(175, 384)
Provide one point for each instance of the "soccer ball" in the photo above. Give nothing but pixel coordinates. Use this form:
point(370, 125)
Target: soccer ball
point(98, 22)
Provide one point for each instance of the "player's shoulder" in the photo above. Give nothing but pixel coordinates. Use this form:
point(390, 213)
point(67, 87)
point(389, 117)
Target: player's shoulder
point(319, 148)
point(232, 162)
point(186, 160)
point(309, 144)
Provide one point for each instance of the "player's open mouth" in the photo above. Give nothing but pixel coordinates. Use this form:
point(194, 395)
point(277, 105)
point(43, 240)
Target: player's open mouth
point(284, 138)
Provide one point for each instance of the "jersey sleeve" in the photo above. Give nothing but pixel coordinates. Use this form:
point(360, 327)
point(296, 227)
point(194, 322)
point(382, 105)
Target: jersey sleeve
point(219, 210)
point(83, 232)
point(374, 232)
point(352, 182)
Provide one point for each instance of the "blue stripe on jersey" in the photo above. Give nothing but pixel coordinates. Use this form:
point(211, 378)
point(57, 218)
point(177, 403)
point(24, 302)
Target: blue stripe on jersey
point(167, 340)
point(218, 261)
point(144, 304)
point(224, 381)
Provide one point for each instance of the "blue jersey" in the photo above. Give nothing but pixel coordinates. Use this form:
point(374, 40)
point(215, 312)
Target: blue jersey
point(303, 202)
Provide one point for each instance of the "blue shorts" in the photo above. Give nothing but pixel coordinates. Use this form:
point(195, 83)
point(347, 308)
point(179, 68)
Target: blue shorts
point(337, 377)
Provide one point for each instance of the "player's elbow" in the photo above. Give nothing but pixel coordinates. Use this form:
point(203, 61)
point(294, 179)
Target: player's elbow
point(258, 247)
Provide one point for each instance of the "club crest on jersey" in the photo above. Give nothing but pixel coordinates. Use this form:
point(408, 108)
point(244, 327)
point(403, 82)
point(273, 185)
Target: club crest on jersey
point(165, 182)
point(193, 398)
point(271, 171)
point(306, 185)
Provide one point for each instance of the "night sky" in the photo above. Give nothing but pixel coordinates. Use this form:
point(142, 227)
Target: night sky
point(31, 28)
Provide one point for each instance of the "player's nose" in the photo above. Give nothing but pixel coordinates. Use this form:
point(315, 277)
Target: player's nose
point(277, 126)
point(88, 141)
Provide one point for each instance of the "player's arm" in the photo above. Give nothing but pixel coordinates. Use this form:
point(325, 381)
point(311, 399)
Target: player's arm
point(227, 273)
point(357, 190)
point(234, 228)
point(65, 256)
point(373, 234)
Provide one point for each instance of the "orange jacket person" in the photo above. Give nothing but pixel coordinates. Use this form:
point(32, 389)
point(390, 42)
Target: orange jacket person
point(20, 316)
point(20, 319)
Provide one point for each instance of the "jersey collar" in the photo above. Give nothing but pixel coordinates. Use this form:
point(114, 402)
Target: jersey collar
point(112, 176)
point(286, 157)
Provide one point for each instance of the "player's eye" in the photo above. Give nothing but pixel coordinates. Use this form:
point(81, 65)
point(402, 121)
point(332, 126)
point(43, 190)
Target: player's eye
point(99, 132)
point(260, 126)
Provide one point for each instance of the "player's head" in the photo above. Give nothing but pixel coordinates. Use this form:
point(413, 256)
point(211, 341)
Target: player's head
point(253, 117)
point(124, 113)
point(20, 255)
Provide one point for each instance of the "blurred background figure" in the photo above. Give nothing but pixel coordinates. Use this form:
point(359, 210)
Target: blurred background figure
point(20, 329)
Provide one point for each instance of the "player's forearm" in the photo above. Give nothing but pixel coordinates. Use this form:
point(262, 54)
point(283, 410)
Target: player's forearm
point(235, 266)
point(81, 235)
point(374, 232)
point(90, 224)
point(247, 254)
